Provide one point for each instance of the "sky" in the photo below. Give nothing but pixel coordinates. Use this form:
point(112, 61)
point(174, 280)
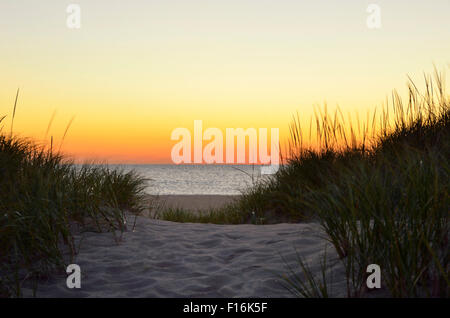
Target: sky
point(137, 70)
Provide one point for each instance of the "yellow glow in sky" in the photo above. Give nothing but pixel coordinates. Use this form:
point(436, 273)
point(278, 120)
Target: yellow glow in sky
point(136, 70)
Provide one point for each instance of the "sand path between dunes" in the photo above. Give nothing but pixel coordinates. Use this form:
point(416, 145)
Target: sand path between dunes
point(167, 259)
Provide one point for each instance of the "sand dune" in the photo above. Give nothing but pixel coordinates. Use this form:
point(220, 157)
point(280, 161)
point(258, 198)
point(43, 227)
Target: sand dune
point(166, 259)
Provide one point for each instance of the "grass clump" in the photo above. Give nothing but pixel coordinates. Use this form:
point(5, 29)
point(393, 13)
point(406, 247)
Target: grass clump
point(382, 198)
point(43, 196)
point(306, 283)
point(394, 215)
point(227, 215)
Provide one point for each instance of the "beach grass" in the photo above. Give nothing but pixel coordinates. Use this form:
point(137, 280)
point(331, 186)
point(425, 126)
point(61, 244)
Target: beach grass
point(228, 214)
point(383, 200)
point(305, 283)
point(44, 197)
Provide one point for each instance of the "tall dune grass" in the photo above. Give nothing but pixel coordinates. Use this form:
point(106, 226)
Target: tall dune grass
point(42, 196)
point(382, 196)
point(379, 187)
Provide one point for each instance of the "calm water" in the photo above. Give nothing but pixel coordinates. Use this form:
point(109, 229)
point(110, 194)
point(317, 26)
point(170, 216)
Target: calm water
point(196, 179)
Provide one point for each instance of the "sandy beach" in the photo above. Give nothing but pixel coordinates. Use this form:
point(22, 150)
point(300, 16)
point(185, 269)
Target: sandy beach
point(166, 259)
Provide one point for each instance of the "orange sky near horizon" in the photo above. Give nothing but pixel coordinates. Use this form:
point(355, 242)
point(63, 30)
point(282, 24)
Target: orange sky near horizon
point(136, 70)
